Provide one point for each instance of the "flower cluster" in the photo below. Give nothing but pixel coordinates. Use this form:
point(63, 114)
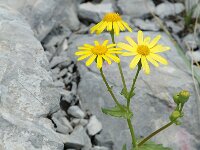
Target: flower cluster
point(143, 50)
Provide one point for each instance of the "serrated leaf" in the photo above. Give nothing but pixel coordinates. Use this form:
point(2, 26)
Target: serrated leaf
point(124, 147)
point(117, 112)
point(152, 146)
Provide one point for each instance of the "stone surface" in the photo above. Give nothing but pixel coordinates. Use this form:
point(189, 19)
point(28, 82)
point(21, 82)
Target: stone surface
point(193, 55)
point(169, 9)
point(152, 103)
point(44, 15)
point(190, 41)
point(175, 27)
point(27, 94)
point(136, 8)
point(94, 12)
point(146, 25)
point(94, 126)
point(75, 111)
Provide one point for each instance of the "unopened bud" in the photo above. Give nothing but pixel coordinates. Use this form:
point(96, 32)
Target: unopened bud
point(176, 98)
point(184, 96)
point(175, 115)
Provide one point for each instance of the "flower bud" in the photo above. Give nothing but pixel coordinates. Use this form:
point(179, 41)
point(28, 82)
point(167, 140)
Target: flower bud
point(184, 96)
point(175, 115)
point(176, 98)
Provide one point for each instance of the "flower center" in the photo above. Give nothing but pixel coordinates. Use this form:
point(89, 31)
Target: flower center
point(99, 50)
point(143, 50)
point(112, 17)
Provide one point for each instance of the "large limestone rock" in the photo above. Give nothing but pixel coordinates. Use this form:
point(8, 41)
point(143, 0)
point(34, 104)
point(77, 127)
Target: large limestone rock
point(44, 15)
point(152, 103)
point(27, 95)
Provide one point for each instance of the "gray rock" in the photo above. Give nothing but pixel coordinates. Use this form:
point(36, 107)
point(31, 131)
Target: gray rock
point(63, 72)
point(59, 83)
point(136, 8)
point(78, 139)
point(152, 103)
point(190, 41)
point(75, 111)
point(57, 60)
point(169, 9)
point(99, 148)
point(94, 126)
point(176, 27)
point(94, 12)
point(104, 139)
point(62, 124)
point(146, 25)
point(193, 55)
point(81, 122)
point(26, 88)
point(44, 15)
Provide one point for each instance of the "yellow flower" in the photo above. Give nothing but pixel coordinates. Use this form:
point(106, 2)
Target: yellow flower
point(111, 21)
point(99, 53)
point(144, 50)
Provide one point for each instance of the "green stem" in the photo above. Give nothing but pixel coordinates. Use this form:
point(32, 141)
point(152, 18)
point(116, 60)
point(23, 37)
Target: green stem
point(134, 141)
point(119, 64)
point(110, 89)
point(133, 85)
point(154, 133)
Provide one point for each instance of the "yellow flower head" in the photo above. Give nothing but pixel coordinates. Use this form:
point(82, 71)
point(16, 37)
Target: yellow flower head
point(98, 53)
point(111, 21)
point(145, 49)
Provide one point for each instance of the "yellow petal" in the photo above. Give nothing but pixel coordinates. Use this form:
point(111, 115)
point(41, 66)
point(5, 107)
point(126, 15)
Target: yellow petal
point(90, 60)
point(154, 41)
point(95, 27)
point(131, 41)
point(114, 52)
point(115, 58)
point(88, 46)
point(135, 61)
point(145, 65)
point(83, 57)
point(109, 26)
point(114, 49)
point(159, 58)
point(82, 53)
point(121, 27)
point(101, 28)
point(126, 46)
point(116, 28)
point(111, 45)
point(140, 37)
point(159, 48)
point(99, 61)
point(147, 40)
point(126, 26)
point(129, 54)
point(107, 59)
point(84, 48)
point(152, 61)
point(96, 43)
point(105, 43)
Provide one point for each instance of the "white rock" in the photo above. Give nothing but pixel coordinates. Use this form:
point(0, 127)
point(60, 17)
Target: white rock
point(190, 41)
point(75, 111)
point(169, 9)
point(176, 27)
point(193, 55)
point(94, 126)
point(146, 25)
point(94, 12)
point(136, 8)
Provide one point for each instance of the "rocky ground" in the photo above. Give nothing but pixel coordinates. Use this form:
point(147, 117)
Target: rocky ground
point(50, 102)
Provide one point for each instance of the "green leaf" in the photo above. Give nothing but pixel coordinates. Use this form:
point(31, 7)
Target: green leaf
point(125, 93)
point(152, 146)
point(118, 112)
point(124, 147)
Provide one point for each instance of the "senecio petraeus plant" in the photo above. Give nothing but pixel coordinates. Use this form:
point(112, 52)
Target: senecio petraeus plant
point(143, 51)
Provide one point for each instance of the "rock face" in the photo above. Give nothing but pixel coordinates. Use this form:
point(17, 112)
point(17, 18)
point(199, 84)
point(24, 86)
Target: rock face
point(44, 15)
point(152, 103)
point(27, 94)
point(136, 8)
